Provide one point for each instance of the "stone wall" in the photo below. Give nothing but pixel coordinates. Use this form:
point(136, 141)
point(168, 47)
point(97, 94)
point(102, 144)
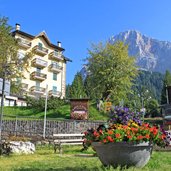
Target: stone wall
point(35, 127)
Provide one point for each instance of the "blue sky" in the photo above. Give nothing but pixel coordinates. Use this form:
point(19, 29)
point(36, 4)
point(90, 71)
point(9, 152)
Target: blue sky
point(79, 23)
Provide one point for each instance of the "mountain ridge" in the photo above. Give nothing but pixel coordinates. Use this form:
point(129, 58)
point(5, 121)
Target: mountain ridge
point(151, 54)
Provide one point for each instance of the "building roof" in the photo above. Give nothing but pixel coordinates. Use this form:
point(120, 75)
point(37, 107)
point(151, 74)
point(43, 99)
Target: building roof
point(45, 37)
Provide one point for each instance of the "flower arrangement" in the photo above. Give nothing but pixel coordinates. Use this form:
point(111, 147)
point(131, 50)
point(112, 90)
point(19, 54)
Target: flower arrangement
point(126, 126)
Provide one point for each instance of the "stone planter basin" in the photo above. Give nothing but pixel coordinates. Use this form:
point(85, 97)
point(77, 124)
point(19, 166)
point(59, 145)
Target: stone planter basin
point(123, 154)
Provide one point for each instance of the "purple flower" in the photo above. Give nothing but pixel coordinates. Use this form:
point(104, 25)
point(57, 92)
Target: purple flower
point(124, 115)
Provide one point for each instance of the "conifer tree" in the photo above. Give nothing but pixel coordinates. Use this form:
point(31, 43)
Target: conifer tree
point(166, 82)
point(77, 88)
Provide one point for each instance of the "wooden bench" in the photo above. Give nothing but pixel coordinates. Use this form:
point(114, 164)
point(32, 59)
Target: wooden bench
point(66, 139)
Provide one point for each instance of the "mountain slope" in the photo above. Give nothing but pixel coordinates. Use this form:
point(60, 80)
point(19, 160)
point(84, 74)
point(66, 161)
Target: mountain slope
point(151, 54)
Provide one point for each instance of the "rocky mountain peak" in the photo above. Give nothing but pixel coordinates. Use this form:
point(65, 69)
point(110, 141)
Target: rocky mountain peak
point(151, 54)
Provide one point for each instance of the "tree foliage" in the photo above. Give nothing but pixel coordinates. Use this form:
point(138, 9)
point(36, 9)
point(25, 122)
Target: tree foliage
point(151, 81)
point(111, 70)
point(77, 88)
point(39, 104)
point(166, 82)
point(10, 63)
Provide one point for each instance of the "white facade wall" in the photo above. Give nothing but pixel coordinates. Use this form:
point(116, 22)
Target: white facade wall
point(60, 83)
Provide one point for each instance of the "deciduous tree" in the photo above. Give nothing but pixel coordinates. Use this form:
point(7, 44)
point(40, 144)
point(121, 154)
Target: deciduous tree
point(111, 70)
point(10, 64)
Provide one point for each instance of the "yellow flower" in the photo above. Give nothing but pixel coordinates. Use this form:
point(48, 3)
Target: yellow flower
point(135, 125)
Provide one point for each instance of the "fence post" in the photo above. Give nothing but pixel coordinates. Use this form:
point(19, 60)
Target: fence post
point(16, 126)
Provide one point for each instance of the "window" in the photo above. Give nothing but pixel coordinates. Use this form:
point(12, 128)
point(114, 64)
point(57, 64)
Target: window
point(38, 70)
point(40, 46)
point(21, 55)
point(54, 89)
point(55, 76)
point(37, 85)
point(56, 52)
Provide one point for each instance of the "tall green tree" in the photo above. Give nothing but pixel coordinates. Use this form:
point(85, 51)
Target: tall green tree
point(77, 89)
point(68, 88)
point(92, 93)
point(166, 82)
point(111, 70)
point(151, 81)
point(10, 63)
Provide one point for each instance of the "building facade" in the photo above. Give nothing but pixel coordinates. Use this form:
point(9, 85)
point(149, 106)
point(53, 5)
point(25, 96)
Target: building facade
point(47, 67)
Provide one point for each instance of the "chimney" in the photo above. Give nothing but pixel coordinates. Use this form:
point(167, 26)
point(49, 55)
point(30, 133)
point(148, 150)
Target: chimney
point(17, 26)
point(59, 44)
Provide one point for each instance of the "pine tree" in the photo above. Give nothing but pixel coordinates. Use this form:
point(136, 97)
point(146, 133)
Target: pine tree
point(77, 89)
point(166, 82)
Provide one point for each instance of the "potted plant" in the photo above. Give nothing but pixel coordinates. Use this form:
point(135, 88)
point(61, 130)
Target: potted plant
point(125, 140)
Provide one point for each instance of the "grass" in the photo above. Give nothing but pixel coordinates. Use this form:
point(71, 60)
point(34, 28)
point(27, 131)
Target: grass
point(63, 112)
point(45, 160)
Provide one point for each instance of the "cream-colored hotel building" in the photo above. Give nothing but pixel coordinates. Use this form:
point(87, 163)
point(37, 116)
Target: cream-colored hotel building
point(47, 66)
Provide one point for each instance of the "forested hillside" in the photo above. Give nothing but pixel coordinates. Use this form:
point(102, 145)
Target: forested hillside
point(151, 81)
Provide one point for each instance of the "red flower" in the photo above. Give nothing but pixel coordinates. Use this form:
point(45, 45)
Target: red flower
point(129, 136)
point(139, 137)
point(104, 140)
point(125, 126)
point(96, 134)
point(146, 125)
point(110, 132)
point(155, 131)
point(117, 135)
point(134, 129)
point(110, 139)
point(147, 136)
point(163, 136)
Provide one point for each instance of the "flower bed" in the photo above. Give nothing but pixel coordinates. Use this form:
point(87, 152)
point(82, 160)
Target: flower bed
point(126, 126)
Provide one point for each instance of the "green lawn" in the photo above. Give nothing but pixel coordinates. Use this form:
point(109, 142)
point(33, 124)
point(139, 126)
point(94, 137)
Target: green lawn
point(45, 160)
point(63, 112)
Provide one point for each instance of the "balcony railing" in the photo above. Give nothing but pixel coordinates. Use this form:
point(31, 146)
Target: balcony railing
point(54, 93)
point(24, 43)
point(39, 62)
point(36, 89)
point(40, 50)
point(55, 55)
point(38, 76)
point(55, 67)
point(24, 86)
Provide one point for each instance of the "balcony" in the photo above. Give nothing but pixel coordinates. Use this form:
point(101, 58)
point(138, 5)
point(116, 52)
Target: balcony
point(55, 93)
point(40, 50)
point(55, 67)
point(56, 56)
point(38, 76)
point(37, 90)
point(39, 63)
point(24, 86)
point(24, 43)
